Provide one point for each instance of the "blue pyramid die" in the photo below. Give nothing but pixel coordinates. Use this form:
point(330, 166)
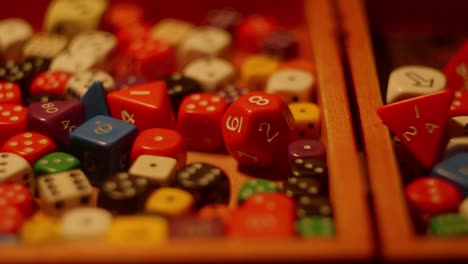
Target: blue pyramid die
point(94, 101)
point(455, 170)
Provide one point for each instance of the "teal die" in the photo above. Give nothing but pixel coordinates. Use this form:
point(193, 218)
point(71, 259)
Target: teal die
point(315, 226)
point(448, 225)
point(255, 186)
point(56, 162)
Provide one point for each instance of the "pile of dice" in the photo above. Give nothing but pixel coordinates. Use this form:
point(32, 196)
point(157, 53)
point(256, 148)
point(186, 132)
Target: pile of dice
point(95, 125)
point(427, 113)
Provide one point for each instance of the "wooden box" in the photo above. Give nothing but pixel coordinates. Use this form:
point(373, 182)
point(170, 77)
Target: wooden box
point(315, 25)
point(404, 32)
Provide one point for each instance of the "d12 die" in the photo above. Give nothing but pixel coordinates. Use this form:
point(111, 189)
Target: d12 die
point(211, 73)
point(253, 30)
point(63, 191)
point(54, 82)
point(13, 120)
point(15, 169)
point(199, 120)
point(29, 145)
point(10, 93)
point(56, 162)
point(18, 196)
point(256, 127)
point(103, 145)
point(146, 106)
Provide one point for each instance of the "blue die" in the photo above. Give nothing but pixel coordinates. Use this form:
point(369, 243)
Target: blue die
point(454, 169)
point(95, 101)
point(103, 146)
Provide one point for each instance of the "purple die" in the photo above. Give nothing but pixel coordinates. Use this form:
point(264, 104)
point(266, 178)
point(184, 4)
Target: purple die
point(56, 119)
point(306, 148)
point(130, 80)
point(230, 92)
point(281, 44)
point(226, 18)
point(195, 228)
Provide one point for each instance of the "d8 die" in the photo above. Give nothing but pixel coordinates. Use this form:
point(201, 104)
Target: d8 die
point(56, 162)
point(54, 82)
point(307, 118)
point(79, 83)
point(170, 202)
point(211, 73)
point(146, 106)
point(178, 87)
point(256, 186)
point(256, 127)
point(63, 191)
point(45, 45)
point(103, 145)
point(172, 31)
point(124, 194)
point(18, 196)
point(56, 119)
point(204, 42)
point(29, 145)
point(207, 183)
point(252, 31)
point(13, 120)
point(99, 44)
point(10, 93)
point(15, 169)
point(199, 120)
point(13, 33)
point(157, 169)
point(256, 70)
point(292, 85)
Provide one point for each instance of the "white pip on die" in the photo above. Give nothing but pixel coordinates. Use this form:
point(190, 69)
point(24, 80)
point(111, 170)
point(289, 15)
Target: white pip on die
point(211, 73)
point(157, 169)
point(45, 45)
point(96, 43)
point(62, 191)
point(411, 81)
point(292, 85)
point(204, 42)
point(72, 62)
point(85, 223)
point(171, 30)
point(16, 169)
point(80, 82)
point(14, 32)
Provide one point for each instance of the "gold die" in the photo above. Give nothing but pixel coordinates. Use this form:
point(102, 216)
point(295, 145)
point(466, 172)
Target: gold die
point(256, 70)
point(307, 118)
point(169, 202)
point(39, 229)
point(125, 229)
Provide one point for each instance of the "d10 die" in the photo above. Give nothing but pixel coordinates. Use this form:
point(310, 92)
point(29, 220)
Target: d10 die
point(103, 146)
point(146, 106)
point(199, 120)
point(63, 191)
point(85, 223)
point(256, 186)
point(253, 30)
point(13, 33)
point(15, 169)
point(292, 85)
point(307, 118)
point(172, 31)
point(79, 83)
point(56, 162)
point(29, 145)
point(54, 82)
point(45, 45)
point(18, 196)
point(211, 73)
point(13, 120)
point(256, 127)
point(170, 202)
point(256, 70)
point(10, 93)
point(157, 169)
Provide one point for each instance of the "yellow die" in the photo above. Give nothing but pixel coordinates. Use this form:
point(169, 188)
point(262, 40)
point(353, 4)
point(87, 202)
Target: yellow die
point(39, 229)
point(171, 30)
point(169, 202)
point(125, 229)
point(307, 118)
point(256, 70)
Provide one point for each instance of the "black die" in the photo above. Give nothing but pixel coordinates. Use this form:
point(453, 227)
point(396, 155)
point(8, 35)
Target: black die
point(299, 186)
point(309, 167)
point(308, 205)
point(179, 86)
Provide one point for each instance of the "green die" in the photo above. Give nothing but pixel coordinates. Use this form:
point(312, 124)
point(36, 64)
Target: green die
point(255, 186)
point(315, 226)
point(56, 162)
point(445, 225)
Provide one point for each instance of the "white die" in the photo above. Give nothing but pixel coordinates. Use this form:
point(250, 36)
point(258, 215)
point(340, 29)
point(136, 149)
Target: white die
point(210, 72)
point(85, 223)
point(171, 30)
point(204, 42)
point(463, 209)
point(457, 126)
point(13, 31)
point(80, 82)
point(411, 81)
point(157, 169)
point(71, 62)
point(65, 190)
point(456, 145)
point(292, 85)
point(47, 46)
point(16, 169)
point(97, 43)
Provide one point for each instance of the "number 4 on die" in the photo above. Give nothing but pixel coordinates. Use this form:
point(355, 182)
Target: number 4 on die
point(420, 124)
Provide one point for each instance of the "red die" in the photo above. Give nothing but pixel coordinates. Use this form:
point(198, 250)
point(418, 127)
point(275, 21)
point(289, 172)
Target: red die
point(151, 58)
point(18, 196)
point(127, 35)
point(198, 121)
point(11, 219)
point(430, 195)
point(146, 106)
point(51, 82)
point(29, 145)
point(252, 30)
point(456, 70)
point(13, 120)
point(256, 128)
point(10, 93)
point(121, 15)
point(160, 142)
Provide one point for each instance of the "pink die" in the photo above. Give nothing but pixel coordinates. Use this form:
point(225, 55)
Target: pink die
point(199, 121)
